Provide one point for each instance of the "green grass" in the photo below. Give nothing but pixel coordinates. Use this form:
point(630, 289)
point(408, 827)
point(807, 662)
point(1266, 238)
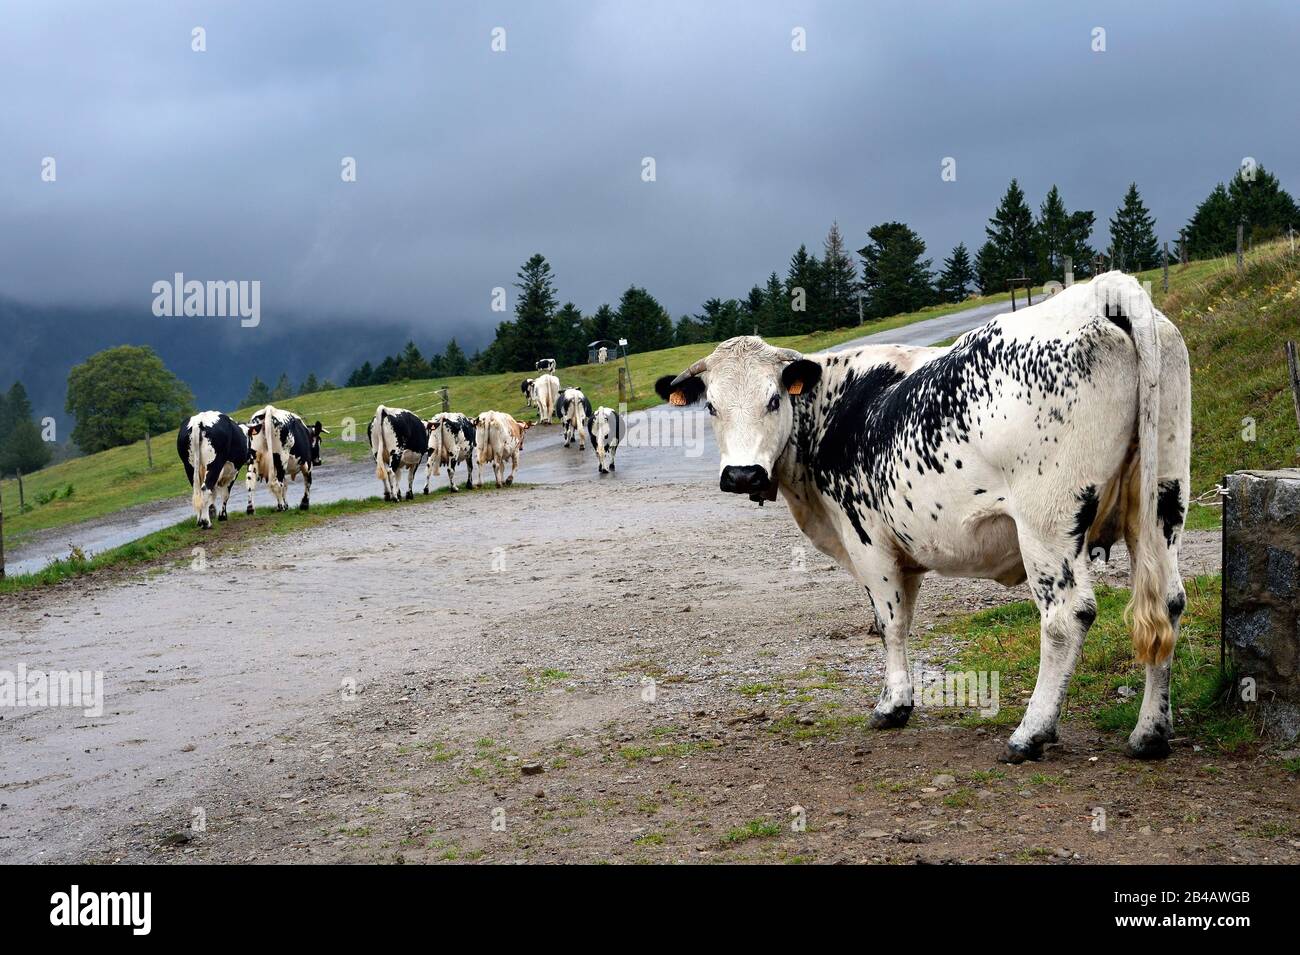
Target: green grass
point(179, 541)
point(754, 829)
point(1006, 640)
point(119, 478)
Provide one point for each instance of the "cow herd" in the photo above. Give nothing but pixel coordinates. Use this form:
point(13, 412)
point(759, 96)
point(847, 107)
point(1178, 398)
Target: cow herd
point(278, 446)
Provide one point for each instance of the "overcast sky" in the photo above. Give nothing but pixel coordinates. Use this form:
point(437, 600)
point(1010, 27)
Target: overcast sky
point(226, 164)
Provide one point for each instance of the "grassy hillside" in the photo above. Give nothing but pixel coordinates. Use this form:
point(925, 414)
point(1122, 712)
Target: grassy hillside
point(103, 483)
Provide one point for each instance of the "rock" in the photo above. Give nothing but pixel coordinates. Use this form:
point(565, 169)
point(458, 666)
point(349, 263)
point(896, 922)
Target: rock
point(531, 769)
point(1125, 692)
point(188, 748)
point(944, 781)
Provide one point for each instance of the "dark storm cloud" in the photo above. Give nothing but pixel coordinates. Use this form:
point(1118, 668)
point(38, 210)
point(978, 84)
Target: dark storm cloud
point(225, 164)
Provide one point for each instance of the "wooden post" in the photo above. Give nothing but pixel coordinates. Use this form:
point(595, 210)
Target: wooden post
point(446, 399)
point(2, 538)
point(622, 388)
point(1293, 366)
point(22, 501)
point(860, 294)
point(148, 449)
point(1241, 231)
point(1182, 246)
point(1164, 265)
point(1068, 277)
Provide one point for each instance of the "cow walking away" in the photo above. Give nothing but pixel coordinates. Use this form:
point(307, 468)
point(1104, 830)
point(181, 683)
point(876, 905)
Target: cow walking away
point(543, 393)
point(398, 441)
point(500, 439)
point(452, 440)
point(213, 447)
point(1011, 455)
point(574, 410)
point(605, 428)
point(281, 446)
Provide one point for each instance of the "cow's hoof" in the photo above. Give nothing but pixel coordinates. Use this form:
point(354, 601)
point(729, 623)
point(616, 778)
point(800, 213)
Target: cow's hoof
point(222, 516)
point(890, 719)
point(304, 506)
point(426, 490)
point(453, 488)
point(510, 480)
point(1019, 752)
point(611, 466)
point(602, 470)
point(1151, 746)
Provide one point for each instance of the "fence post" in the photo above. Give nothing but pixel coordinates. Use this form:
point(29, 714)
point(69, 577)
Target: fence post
point(622, 388)
point(1241, 231)
point(1164, 265)
point(2, 538)
point(148, 450)
point(22, 501)
point(446, 399)
point(1293, 366)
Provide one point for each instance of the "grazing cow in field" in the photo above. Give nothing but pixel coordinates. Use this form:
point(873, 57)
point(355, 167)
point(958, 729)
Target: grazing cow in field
point(606, 430)
point(282, 445)
point(398, 440)
point(500, 439)
point(1033, 442)
point(452, 439)
point(543, 393)
point(213, 448)
point(574, 410)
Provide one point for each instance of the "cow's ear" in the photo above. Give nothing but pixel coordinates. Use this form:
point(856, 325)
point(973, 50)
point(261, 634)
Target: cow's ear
point(686, 392)
point(800, 376)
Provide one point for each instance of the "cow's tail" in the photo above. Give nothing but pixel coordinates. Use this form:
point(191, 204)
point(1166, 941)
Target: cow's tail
point(380, 446)
point(1147, 613)
point(196, 461)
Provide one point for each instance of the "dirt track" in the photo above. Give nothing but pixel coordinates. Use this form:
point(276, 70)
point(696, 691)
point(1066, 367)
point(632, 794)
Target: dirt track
point(509, 697)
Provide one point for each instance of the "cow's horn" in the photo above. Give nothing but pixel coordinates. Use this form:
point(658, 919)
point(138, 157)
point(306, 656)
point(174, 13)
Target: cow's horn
point(787, 354)
point(698, 368)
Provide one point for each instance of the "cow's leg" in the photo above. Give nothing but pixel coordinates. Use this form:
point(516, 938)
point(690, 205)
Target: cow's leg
point(305, 503)
point(612, 451)
point(600, 458)
point(250, 484)
point(469, 471)
point(893, 598)
point(1061, 581)
point(428, 474)
point(225, 497)
point(514, 466)
point(278, 486)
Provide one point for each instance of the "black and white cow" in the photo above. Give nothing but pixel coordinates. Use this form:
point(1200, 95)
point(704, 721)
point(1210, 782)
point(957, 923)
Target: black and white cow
point(398, 440)
point(574, 410)
point(1010, 455)
point(285, 449)
point(213, 447)
point(451, 441)
point(605, 427)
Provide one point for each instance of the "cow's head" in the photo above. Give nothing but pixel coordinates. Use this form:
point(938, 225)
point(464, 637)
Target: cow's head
point(316, 431)
point(747, 386)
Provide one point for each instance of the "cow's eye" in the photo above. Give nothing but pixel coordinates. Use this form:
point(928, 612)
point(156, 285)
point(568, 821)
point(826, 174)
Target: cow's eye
point(773, 403)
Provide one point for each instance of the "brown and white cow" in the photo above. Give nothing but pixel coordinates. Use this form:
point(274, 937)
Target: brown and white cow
point(500, 439)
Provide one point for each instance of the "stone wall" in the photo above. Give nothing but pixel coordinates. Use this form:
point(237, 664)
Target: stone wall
point(1261, 595)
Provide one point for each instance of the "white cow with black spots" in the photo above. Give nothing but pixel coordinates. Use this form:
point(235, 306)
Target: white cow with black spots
point(605, 427)
point(574, 410)
point(1010, 455)
point(452, 440)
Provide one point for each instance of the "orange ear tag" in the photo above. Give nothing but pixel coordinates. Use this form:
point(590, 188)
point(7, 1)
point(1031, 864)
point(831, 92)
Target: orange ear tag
point(678, 399)
point(796, 387)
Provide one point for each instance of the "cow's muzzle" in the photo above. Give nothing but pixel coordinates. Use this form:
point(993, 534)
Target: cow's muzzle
point(748, 479)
